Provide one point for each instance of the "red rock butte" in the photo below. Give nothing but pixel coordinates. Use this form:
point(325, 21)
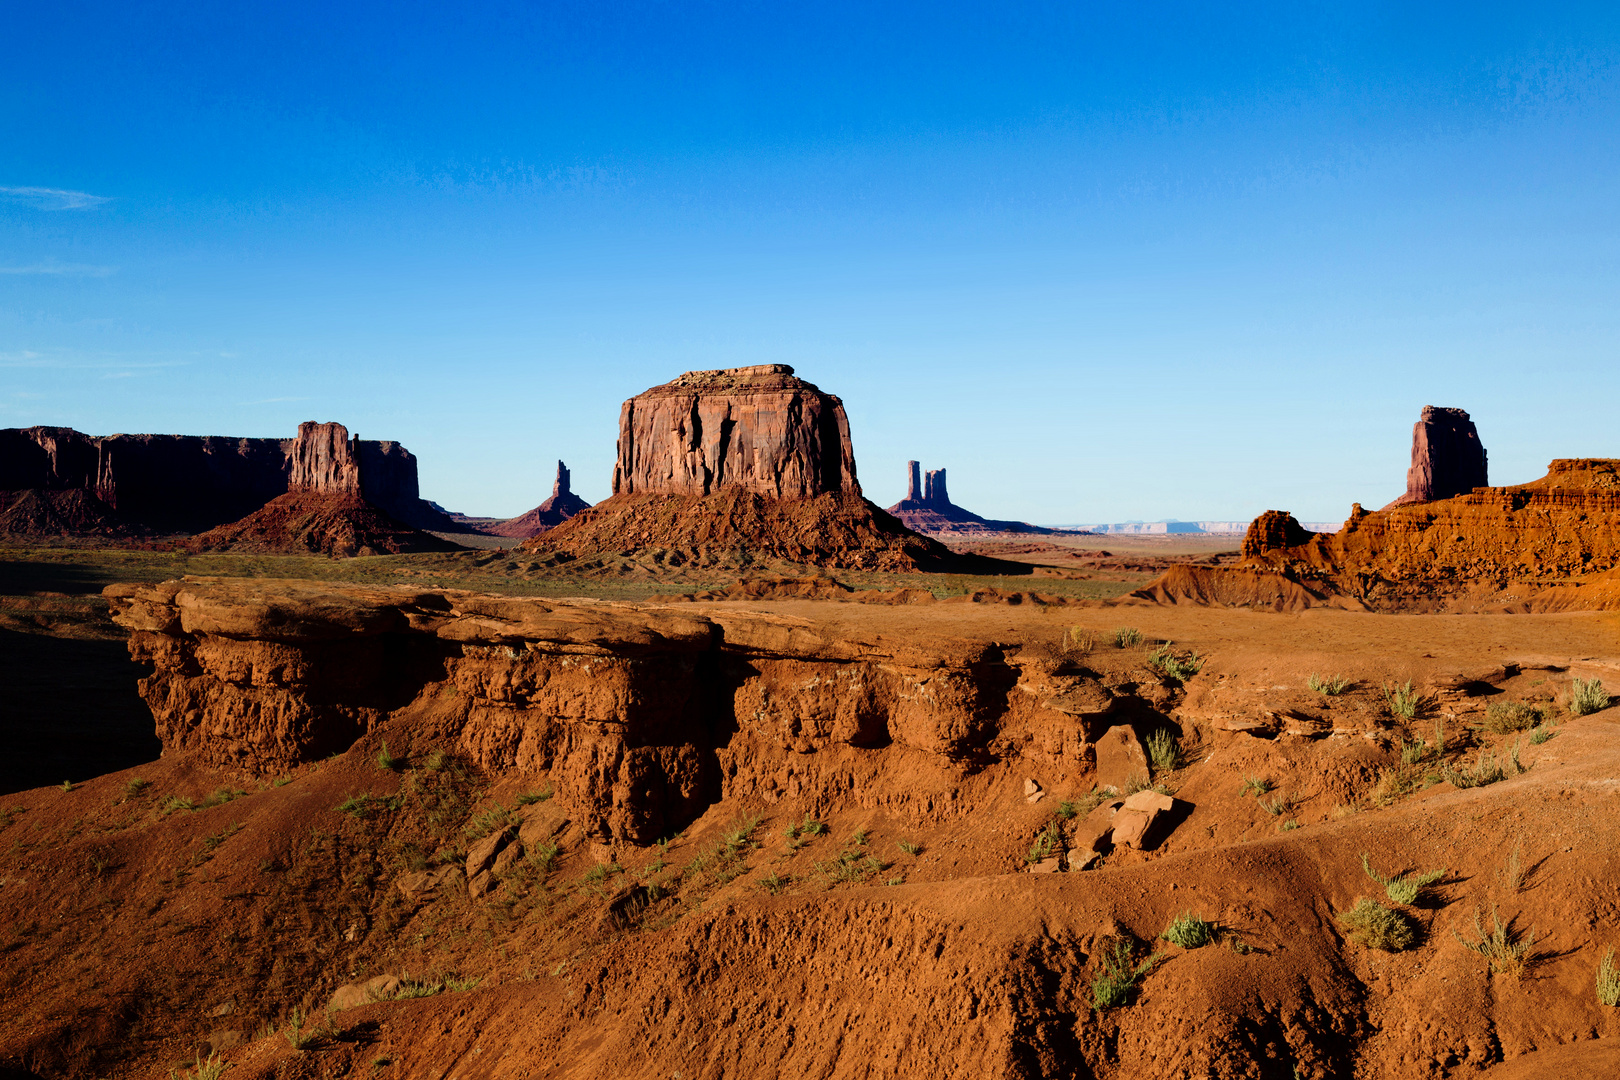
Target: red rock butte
point(759, 429)
point(748, 460)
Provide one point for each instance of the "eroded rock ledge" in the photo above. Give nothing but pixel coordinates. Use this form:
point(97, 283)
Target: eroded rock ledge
point(639, 715)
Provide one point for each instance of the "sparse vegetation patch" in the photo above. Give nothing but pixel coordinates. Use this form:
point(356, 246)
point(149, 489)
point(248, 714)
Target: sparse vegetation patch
point(1115, 984)
point(1330, 685)
point(1506, 950)
point(1587, 696)
point(1189, 931)
point(1403, 888)
point(1378, 927)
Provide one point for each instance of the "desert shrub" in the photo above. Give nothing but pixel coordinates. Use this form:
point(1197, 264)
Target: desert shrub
point(1378, 927)
point(1413, 752)
point(134, 786)
point(1047, 844)
point(67, 785)
point(363, 805)
point(1403, 888)
point(1486, 769)
point(1331, 685)
point(909, 847)
point(531, 797)
point(1258, 785)
point(1086, 803)
point(1079, 640)
point(1141, 782)
point(208, 1068)
point(1506, 717)
point(1541, 733)
point(861, 837)
point(1276, 807)
point(487, 821)
point(1404, 701)
point(459, 983)
point(388, 762)
point(1164, 750)
point(1113, 986)
point(417, 988)
point(811, 827)
point(1288, 826)
point(1512, 872)
point(1165, 660)
point(1189, 931)
point(1505, 949)
point(1608, 981)
point(1127, 637)
point(850, 865)
point(1587, 696)
point(544, 855)
point(774, 883)
point(299, 1037)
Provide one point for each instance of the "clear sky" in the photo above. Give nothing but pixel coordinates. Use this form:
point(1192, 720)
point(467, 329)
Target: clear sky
point(1100, 261)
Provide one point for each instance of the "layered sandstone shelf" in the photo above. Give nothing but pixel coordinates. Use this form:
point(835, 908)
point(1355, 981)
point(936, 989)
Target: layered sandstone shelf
point(642, 716)
point(1553, 544)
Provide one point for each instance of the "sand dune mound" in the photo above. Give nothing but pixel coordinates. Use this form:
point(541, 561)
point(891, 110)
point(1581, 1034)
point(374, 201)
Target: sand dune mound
point(310, 522)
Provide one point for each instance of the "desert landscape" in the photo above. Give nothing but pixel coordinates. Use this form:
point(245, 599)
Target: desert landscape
point(734, 774)
point(644, 541)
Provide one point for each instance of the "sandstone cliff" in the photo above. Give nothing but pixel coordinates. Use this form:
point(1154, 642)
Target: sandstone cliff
point(640, 717)
point(758, 429)
point(170, 484)
point(1447, 457)
point(1553, 544)
point(562, 505)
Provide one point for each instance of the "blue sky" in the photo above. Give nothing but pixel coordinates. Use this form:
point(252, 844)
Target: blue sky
point(1100, 261)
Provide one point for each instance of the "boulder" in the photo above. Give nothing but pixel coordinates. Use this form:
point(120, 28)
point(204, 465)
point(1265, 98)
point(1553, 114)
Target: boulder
point(352, 995)
point(420, 882)
point(1120, 757)
point(481, 856)
point(1130, 826)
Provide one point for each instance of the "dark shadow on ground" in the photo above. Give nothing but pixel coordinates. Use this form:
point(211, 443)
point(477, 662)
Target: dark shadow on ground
point(69, 710)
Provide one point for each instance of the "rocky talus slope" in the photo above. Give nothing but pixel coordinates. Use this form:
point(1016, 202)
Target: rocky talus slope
point(434, 833)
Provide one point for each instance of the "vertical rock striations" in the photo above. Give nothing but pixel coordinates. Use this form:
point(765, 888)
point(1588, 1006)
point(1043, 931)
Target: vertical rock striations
point(322, 459)
point(758, 429)
point(1447, 458)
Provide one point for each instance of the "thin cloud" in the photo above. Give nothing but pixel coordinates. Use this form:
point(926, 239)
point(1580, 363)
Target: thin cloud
point(51, 266)
point(44, 198)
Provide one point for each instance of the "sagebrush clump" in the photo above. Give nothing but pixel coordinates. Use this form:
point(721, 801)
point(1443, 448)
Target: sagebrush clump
point(1378, 927)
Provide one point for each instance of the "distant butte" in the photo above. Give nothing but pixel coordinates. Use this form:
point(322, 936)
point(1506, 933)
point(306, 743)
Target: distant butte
point(562, 505)
point(927, 509)
point(1447, 457)
point(738, 465)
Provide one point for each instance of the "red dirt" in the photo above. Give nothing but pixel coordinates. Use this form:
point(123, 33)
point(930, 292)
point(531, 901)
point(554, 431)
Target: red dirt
point(135, 936)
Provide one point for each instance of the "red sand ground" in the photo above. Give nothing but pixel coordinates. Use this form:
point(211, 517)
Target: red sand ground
point(136, 932)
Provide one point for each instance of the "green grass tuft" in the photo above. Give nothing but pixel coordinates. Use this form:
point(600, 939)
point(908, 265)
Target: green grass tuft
point(1608, 981)
point(1114, 985)
point(1403, 888)
point(1164, 750)
point(1331, 685)
point(1506, 950)
point(1189, 931)
point(1127, 637)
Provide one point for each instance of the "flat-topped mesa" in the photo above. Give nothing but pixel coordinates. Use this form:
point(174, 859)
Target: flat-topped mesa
point(1447, 457)
point(323, 459)
point(757, 429)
